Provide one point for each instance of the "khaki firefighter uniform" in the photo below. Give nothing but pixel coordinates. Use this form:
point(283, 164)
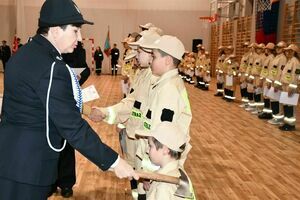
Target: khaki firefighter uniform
point(165, 191)
point(290, 82)
point(266, 67)
point(168, 101)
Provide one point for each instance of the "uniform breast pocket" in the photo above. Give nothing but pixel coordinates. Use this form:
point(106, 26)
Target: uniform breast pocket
point(274, 72)
point(288, 77)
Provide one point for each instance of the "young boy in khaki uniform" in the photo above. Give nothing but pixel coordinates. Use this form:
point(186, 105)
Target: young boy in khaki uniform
point(231, 66)
point(191, 67)
point(278, 65)
point(199, 65)
point(242, 77)
point(290, 82)
point(168, 98)
point(206, 69)
point(166, 144)
point(228, 52)
point(250, 78)
point(130, 110)
point(269, 52)
point(257, 82)
point(219, 72)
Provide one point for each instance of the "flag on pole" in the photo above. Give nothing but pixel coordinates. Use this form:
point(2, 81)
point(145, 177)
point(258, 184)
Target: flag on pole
point(15, 44)
point(107, 44)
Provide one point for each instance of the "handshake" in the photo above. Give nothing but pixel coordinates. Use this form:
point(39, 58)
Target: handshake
point(94, 113)
point(121, 168)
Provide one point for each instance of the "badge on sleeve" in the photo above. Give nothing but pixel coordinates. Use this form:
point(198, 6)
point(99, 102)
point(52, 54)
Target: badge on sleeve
point(167, 115)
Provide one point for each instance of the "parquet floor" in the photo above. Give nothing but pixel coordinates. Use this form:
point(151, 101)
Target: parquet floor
point(235, 155)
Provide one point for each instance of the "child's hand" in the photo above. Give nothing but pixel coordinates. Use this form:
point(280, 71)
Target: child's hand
point(146, 185)
point(96, 115)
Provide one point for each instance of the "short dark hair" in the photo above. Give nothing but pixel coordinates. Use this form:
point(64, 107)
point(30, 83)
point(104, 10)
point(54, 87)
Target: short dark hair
point(173, 154)
point(176, 62)
point(45, 30)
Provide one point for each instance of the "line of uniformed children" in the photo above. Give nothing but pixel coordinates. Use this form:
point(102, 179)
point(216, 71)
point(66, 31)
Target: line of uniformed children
point(196, 68)
point(262, 70)
point(157, 96)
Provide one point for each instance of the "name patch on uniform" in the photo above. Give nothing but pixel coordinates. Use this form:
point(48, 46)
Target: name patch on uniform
point(136, 114)
point(147, 126)
point(167, 115)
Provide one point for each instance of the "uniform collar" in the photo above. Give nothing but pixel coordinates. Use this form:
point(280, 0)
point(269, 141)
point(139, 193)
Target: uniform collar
point(47, 44)
point(167, 75)
point(170, 169)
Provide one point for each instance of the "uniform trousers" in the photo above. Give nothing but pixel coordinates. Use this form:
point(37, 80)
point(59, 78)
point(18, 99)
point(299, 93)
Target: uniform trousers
point(66, 168)
point(12, 190)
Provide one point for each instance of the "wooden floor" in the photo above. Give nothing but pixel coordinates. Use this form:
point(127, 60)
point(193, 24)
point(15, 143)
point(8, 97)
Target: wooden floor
point(235, 155)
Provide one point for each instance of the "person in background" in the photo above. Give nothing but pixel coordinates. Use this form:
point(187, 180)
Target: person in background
point(115, 54)
point(19, 43)
point(277, 66)
point(269, 52)
point(241, 75)
point(80, 62)
point(98, 57)
point(290, 84)
point(219, 72)
point(5, 53)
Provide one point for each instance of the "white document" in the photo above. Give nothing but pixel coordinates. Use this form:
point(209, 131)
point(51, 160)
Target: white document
point(0, 103)
point(285, 99)
point(89, 94)
point(1, 67)
point(229, 80)
point(273, 95)
point(266, 90)
point(258, 90)
point(78, 70)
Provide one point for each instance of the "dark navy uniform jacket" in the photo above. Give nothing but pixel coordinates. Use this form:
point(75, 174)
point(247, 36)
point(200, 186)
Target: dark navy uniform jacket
point(24, 152)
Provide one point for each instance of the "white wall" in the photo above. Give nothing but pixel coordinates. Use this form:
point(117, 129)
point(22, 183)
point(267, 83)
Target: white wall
point(175, 17)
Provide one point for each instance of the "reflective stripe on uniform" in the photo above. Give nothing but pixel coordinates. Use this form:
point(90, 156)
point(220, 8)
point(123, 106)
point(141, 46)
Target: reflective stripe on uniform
point(289, 120)
point(186, 100)
point(266, 110)
point(293, 86)
point(229, 97)
point(259, 104)
point(268, 80)
point(112, 115)
point(136, 113)
point(278, 82)
point(278, 116)
point(245, 100)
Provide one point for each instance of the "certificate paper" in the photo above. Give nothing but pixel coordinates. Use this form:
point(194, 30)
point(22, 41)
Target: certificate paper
point(89, 94)
point(0, 103)
point(266, 91)
point(285, 99)
point(78, 70)
point(229, 80)
point(273, 95)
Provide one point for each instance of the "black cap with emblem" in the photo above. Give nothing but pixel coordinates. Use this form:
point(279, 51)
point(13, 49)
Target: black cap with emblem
point(60, 12)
